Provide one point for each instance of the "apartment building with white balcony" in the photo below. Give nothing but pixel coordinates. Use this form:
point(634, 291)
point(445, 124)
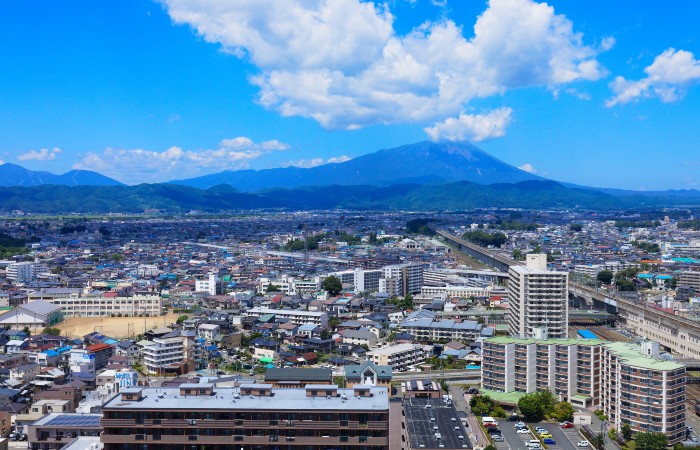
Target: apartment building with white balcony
point(174, 355)
point(537, 300)
point(625, 380)
point(400, 357)
point(26, 270)
point(296, 317)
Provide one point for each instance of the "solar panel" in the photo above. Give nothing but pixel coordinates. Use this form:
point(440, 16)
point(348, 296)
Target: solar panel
point(75, 420)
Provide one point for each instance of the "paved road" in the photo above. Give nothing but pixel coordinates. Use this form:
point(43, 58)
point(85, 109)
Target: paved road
point(515, 441)
point(461, 402)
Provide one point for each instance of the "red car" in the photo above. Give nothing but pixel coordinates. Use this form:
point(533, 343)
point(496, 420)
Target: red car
point(567, 425)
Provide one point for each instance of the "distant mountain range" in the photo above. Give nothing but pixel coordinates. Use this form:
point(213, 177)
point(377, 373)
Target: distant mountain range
point(420, 163)
point(534, 194)
point(422, 177)
point(14, 175)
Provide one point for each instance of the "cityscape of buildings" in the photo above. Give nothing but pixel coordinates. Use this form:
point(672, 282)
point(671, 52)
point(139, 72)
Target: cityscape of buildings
point(147, 332)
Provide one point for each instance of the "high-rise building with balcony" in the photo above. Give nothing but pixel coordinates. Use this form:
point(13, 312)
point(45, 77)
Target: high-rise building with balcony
point(537, 300)
point(252, 416)
point(627, 381)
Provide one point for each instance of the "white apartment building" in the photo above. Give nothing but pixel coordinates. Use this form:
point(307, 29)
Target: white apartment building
point(26, 271)
point(208, 331)
point(147, 270)
point(361, 280)
point(207, 285)
point(290, 285)
point(164, 354)
point(95, 306)
point(400, 357)
point(296, 317)
point(537, 300)
point(592, 270)
point(401, 279)
point(454, 291)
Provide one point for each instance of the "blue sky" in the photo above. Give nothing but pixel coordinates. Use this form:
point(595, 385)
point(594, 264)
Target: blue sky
point(595, 92)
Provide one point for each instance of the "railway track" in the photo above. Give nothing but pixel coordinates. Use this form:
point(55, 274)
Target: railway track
point(692, 395)
point(604, 333)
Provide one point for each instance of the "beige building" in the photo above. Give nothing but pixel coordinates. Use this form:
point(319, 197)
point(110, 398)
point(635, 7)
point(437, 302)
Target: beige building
point(627, 381)
point(399, 357)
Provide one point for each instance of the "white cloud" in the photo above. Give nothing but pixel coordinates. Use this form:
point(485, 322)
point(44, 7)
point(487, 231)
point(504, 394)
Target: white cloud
point(313, 162)
point(527, 167)
point(147, 166)
point(472, 127)
point(43, 154)
point(668, 78)
point(342, 63)
point(2, 162)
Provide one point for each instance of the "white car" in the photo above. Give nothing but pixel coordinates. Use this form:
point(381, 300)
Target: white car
point(583, 444)
point(522, 431)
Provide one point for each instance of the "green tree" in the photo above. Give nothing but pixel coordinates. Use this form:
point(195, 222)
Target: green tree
point(576, 227)
point(604, 276)
point(536, 406)
point(332, 285)
point(272, 288)
point(626, 431)
point(181, 319)
point(518, 255)
point(333, 322)
point(651, 441)
point(53, 331)
point(562, 411)
point(481, 405)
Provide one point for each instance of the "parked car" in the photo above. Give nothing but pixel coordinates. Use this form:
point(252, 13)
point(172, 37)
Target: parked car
point(493, 430)
point(567, 425)
point(533, 443)
point(520, 425)
point(522, 431)
point(497, 438)
point(513, 418)
point(545, 434)
point(550, 441)
point(583, 444)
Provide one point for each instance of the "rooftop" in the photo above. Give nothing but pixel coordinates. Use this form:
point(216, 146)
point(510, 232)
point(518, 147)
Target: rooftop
point(281, 399)
point(628, 352)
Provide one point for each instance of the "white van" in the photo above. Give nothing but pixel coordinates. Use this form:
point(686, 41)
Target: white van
point(489, 421)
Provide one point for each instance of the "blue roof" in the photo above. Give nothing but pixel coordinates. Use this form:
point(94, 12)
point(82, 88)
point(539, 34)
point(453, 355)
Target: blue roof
point(63, 349)
point(587, 334)
point(51, 353)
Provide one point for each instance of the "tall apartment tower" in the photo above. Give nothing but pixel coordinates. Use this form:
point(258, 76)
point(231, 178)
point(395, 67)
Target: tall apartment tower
point(537, 300)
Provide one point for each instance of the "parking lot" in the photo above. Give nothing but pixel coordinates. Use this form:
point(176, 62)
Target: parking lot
point(566, 439)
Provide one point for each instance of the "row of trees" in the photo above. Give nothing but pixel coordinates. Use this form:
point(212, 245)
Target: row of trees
point(539, 405)
point(485, 239)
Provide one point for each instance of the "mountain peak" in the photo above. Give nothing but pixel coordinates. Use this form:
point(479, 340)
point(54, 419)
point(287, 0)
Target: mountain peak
point(14, 175)
point(421, 163)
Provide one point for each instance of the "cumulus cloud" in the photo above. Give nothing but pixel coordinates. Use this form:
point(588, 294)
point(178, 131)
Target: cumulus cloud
point(527, 167)
point(472, 127)
point(313, 162)
point(342, 63)
point(148, 166)
point(668, 78)
point(43, 154)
